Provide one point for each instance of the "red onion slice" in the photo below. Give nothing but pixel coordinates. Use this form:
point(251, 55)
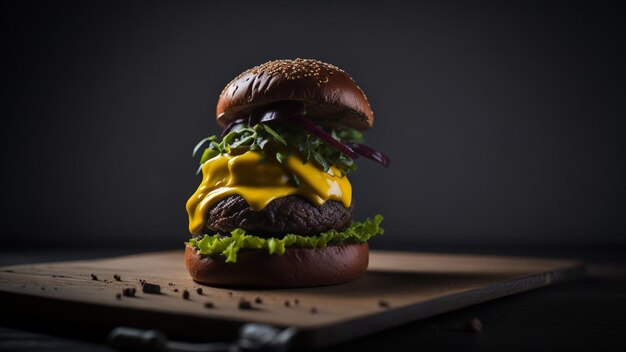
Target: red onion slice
point(325, 137)
point(281, 110)
point(370, 153)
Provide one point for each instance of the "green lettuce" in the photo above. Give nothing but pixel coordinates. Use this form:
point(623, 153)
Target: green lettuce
point(229, 246)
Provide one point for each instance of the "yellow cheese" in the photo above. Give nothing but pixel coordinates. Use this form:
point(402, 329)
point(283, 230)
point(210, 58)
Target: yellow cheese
point(259, 181)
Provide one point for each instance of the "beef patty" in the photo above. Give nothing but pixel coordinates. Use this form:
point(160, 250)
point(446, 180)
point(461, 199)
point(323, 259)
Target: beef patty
point(291, 214)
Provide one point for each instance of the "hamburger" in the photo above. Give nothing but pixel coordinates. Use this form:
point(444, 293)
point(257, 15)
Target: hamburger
point(274, 207)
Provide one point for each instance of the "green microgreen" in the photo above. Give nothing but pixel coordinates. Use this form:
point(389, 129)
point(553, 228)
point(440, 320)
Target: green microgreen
point(242, 138)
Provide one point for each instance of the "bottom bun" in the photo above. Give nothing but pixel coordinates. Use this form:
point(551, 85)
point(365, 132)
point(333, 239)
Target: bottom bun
point(297, 267)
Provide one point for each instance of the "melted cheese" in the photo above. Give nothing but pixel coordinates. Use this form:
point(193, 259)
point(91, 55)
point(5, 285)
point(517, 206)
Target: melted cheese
point(260, 181)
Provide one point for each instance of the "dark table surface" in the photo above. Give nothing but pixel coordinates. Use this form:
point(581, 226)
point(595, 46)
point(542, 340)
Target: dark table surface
point(587, 314)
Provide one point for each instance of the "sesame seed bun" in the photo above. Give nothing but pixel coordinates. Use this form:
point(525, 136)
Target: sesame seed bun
point(297, 267)
point(330, 95)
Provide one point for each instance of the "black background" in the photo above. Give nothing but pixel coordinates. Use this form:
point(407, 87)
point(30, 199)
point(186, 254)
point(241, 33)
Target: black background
point(504, 120)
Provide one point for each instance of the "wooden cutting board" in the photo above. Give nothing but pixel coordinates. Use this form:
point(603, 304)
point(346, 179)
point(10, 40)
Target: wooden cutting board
point(411, 286)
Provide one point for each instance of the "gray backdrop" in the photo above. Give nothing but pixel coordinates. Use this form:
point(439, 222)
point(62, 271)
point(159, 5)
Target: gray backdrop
point(504, 120)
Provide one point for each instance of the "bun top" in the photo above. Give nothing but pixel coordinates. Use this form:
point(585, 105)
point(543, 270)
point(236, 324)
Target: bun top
point(330, 95)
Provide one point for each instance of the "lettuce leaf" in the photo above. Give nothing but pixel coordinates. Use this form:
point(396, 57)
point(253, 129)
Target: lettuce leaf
point(229, 246)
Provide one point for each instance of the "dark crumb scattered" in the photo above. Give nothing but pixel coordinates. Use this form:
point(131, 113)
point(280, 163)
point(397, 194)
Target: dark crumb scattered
point(8, 271)
point(313, 310)
point(118, 295)
point(43, 288)
point(170, 284)
point(474, 325)
point(296, 301)
point(117, 277)
point(383, 303)
point(199, 290)
point(94, 277)
point(230, 293)
point(151, 288)
point(245, 304)
point(58, 276)
point(258, 300)
point(208, 305)
point(287, 303)
point(175, 290)
point(185, 294)
point(55, 288)
point(129, 292)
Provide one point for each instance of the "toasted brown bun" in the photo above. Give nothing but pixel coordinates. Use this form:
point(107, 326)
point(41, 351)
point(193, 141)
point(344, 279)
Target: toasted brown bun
point(298, 267)
point(331, 97)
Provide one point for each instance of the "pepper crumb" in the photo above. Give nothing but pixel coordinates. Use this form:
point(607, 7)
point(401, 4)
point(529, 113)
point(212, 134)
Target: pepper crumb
point(175, 290)
point(151, 288)
point(296, 301)
point(118, 295)
point(258, 300)
point(313, 310)
point(287, 303)
point(170, 284)
point(94, 277)
point(245, 304)
point(117, 277)
point(474, 325)
point(129, 292)
point(185, 294)
point(383, 303)
point(208, 305)
point(199, 290)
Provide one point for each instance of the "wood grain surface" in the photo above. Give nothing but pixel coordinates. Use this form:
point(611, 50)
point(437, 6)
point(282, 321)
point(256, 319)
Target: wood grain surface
point(411, 285)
